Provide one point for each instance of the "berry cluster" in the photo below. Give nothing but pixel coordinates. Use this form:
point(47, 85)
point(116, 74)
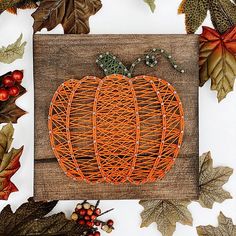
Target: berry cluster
point(9, 85)
point(87, 214)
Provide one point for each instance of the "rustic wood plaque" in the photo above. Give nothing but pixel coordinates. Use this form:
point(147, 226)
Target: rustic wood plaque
point(59, 57)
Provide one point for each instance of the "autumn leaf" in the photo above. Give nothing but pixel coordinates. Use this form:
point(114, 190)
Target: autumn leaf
point(9, 161)
point(166, 213)
point(217, 60)
point(29, 219)
point(9, 111)
point(225, 228)
point(23, 4)
point(6, 4)
point(13, 51)
point(195, 13)
point(73, 15)
point(151, 4)
point(211, 181)
point(13, 5)
point(223, 14)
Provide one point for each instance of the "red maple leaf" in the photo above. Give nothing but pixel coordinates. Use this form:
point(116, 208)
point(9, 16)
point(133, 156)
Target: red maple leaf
point(218, 60)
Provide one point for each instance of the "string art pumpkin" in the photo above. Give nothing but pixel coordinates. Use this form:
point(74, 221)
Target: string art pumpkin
point(118, 128)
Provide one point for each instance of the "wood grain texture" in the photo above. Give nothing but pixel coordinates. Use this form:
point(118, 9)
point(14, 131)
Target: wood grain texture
point(58, 57)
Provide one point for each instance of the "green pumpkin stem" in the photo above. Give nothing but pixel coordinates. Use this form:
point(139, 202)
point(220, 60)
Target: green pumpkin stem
point(110, 64)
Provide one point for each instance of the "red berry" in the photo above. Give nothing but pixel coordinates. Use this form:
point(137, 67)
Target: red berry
point(87, 217)
point(97, 233)
point(8, 81)
point(93, 217)
point(90, 234)
point(82, 212)
point(89, 212)
point(4, 94)
point(17, 75)
point(97, 211)
point(97, 223)
point(81, 222)
point(14, 91)
point(89, 224)
point(110, 223)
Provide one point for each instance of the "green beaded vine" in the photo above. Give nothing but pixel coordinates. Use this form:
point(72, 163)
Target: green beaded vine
point(110, 64)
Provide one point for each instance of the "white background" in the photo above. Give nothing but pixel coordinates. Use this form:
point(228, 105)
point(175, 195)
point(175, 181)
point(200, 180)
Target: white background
point(217, 121)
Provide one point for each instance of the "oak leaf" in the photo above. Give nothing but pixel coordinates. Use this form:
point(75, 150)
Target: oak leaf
point(225, 228)
point(13, 51)
point(223, 14)
point(166, 213)
point(211, 181)
point(9, 161)
point(72, 14)
point(9, 111)
point(29, 219)
point(151, 4)
point(217, 60)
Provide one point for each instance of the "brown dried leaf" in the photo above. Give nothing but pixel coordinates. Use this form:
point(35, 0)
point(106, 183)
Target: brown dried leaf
point(225, 228)
point(12, 5)
point(166, 213)
point(195, 13)
point(211, 181)
point(29, 219)
point(72, 14)
point(223, 14)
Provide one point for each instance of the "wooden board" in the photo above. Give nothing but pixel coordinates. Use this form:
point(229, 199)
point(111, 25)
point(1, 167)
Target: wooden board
point(58, 57)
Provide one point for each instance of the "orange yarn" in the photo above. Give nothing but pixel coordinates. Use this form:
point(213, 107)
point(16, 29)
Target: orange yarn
point(116, 129)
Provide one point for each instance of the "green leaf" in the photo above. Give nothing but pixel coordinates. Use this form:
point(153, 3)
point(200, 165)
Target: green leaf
point(13, 51)
point(211, 181)
point(29, 219)
point(166, 213)
point(225, 228)
point(151, 4)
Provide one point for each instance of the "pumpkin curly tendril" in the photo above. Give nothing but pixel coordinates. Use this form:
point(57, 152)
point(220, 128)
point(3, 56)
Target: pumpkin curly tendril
point(110, 64)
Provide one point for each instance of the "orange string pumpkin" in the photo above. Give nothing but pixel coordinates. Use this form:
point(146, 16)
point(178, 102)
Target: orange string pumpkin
point(116, 129)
